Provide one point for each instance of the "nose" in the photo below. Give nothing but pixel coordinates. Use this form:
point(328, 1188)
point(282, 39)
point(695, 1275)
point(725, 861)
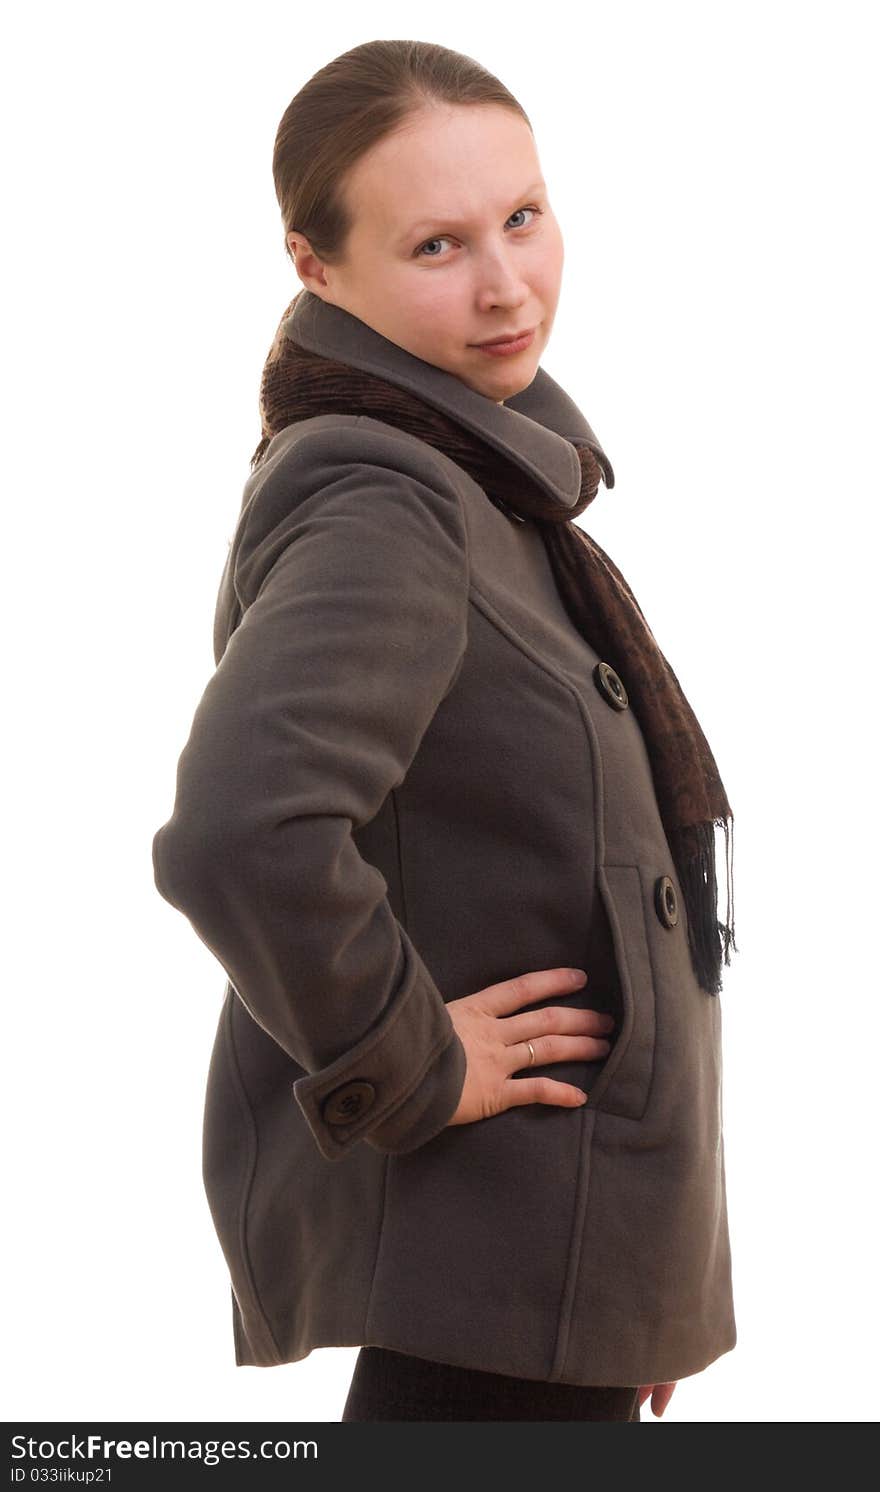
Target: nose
point(500, 283)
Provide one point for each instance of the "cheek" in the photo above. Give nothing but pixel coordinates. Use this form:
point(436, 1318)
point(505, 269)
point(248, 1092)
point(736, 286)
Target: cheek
point(549, 273)
point(432, 308)
point(552, 250)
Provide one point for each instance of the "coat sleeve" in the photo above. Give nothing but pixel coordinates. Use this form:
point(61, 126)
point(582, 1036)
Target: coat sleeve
point(352, 575)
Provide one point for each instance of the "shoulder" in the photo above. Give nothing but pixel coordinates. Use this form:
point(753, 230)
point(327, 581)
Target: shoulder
point(337, 465)
point(305, 457)
point(304, 452)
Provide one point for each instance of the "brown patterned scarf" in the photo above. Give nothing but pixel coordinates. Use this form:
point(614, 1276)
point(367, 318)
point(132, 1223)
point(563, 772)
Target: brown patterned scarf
point(298, 383)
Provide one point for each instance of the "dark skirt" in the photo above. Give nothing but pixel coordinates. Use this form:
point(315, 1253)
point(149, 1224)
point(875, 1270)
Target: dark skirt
point(390, 1385)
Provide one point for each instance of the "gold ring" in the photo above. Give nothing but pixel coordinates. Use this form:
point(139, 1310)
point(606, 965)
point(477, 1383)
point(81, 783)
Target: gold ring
point(532, 1051)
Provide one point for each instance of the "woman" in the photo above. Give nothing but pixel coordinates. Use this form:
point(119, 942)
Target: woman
point(446, 818)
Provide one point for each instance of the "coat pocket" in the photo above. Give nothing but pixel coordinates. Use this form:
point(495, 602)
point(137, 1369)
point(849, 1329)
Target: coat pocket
point(624, 1084)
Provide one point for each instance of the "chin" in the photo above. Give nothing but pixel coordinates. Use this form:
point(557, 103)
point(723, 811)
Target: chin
point(522, 381)
point(502, 387)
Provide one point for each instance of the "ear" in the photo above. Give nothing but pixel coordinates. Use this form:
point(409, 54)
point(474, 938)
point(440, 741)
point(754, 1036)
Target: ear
point(308, 266)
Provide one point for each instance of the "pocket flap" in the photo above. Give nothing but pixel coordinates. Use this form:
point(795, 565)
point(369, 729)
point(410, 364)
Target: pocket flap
point(625, 1081)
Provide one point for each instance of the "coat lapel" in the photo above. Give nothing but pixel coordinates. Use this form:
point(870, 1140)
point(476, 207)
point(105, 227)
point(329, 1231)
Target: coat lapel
point(534, 428)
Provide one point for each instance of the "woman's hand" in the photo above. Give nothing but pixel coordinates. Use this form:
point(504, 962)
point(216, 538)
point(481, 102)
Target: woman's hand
point(660, 1394)
point(495, 1040)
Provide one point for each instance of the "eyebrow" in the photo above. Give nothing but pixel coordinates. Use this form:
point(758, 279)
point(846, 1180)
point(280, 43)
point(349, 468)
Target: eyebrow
point(426, 224)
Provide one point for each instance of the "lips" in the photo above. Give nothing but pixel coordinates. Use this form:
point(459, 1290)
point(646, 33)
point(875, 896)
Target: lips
point(507, 347)
point(508, 337)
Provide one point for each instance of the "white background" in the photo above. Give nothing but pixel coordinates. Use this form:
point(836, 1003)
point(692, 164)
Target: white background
point(714, 171)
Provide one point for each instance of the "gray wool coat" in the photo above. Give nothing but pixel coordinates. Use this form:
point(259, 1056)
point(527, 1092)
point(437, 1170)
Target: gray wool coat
point(408, 779)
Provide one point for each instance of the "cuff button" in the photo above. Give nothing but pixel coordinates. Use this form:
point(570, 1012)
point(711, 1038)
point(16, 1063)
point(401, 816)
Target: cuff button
point(347, 1103)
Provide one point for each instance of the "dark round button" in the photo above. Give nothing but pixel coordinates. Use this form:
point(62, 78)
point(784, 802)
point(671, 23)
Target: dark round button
point(666, 901)
point(347, 1103)
point(610, 685)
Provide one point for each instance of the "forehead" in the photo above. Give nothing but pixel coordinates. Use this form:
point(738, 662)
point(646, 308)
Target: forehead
point(447, 168)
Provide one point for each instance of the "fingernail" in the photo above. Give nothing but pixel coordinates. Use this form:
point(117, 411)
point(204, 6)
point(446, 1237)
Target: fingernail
point(577, 975)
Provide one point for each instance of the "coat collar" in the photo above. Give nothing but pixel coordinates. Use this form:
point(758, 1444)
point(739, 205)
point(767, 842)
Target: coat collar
point(534, 428)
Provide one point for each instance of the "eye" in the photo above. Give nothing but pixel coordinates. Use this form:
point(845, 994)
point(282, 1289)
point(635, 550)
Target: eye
point(536, 210)
point(440, 239)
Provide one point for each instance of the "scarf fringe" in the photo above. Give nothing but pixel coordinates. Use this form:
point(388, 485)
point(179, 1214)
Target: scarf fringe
point(710, 941)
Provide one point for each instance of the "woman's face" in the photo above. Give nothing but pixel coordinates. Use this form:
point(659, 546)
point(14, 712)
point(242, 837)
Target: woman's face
point(454, 243)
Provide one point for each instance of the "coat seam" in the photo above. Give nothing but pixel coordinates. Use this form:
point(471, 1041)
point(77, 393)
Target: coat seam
point(383, 1217)
point(247, 1187)
point(654, 990)
point(395, 811)
point(506, 630)
point(434, 453)
point(588, 1121)
point(575, 1246)
point(380, 1236)
point(616, 1062)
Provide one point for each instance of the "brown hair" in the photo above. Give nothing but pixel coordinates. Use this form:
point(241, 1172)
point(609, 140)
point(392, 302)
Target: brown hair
point(345, 109)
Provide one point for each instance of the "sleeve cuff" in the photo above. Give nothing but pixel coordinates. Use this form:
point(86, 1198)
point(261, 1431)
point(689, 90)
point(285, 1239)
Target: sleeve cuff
point(378, 1091)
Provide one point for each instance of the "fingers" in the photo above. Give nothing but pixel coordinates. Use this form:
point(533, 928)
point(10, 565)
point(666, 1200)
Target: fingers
point(660, 1395)
point(660, 1398)
point(519, 1091)
point(557, 1034)
point(569, 1020)
point(556, 1048)
point(526, 989)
